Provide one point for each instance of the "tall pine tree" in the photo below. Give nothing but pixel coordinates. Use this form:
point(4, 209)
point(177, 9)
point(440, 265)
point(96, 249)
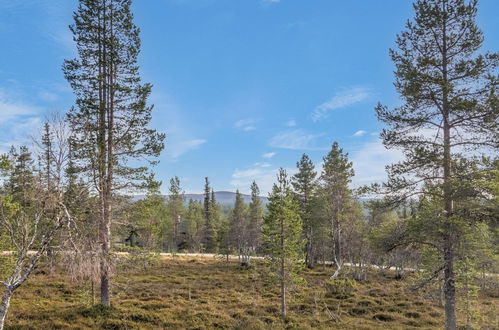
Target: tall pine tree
point(304, 185)
point(336, 176)
point(282, 233)
point(450, 110)
point(111, 117)
point(255, 218)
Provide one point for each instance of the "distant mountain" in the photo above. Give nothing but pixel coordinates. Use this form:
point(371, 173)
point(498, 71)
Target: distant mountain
point(224, 198)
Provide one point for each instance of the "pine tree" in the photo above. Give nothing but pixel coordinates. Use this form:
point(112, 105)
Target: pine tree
point(282, 232)
point(111, 117)
point(175, 206)
point(239, 229)
point(255, 219)
point(336, 176)
point(194, 225)
point(450, 107)
point(304, 185)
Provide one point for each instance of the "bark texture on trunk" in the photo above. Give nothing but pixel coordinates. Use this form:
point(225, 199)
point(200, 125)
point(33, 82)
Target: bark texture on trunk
point(4, 306)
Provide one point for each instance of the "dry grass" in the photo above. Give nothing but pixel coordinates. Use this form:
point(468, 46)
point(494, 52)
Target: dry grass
point(186, 293)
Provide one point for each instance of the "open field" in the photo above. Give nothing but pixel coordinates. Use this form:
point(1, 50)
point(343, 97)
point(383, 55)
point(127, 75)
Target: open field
point(205, 293)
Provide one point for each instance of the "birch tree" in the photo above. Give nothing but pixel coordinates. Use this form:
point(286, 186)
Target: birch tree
point(31, 214)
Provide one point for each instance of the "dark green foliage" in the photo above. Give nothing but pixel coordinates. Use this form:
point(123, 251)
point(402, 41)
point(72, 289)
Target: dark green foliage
point(282, 232)
point(337, 197)
point(110, 121)
point(210, 206)
point(255, 219)
point(446, 123)
point(304, 186)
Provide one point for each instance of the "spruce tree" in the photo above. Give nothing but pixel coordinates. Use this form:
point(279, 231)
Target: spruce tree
point(111, 117)
point(304, 185)
point(449, 113)
point(209, 204)
point(282, 232)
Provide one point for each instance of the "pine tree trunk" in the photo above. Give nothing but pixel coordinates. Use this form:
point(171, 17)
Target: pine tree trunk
point(283, 272)
point(4, 306)
point(449, 280)
point(309, 257)
point(449, 287)
point(283, 291)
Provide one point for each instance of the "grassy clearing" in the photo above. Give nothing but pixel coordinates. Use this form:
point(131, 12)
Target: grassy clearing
point(188, 293)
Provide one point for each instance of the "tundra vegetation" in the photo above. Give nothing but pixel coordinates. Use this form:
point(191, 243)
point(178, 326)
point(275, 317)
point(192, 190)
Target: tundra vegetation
point(80, 250)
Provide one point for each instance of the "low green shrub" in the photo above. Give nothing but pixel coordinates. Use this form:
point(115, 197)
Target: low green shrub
point(340, 288)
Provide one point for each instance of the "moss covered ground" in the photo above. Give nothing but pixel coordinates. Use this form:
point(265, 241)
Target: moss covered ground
point(206, 293)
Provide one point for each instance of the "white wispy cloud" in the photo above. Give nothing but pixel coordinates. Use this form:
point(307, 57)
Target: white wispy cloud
point(48, 96)
point(342, 99)
point(360, 133)
point(268, 155)
point(370, 160)
point(262, 164)
point(262, 174)
point(246, 124)
point(20, 121)
point(296, 139)
point(291, 123)
point(175, 149)
point(181, 136)
point(11, 107)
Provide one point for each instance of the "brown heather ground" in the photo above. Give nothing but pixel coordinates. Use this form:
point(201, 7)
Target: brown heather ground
point(201, 293)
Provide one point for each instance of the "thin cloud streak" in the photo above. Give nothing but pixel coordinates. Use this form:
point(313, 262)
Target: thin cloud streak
point(360, 133)
point(342, 99)
point(296, 139)
point(268, 155)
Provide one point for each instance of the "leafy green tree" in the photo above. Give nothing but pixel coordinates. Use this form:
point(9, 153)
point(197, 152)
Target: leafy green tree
point(111, 117)
point(450, 109)
point(304, 185)
point(282, 231)
point(335, 178)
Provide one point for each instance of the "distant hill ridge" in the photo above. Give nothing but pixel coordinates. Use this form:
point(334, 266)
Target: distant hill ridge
point(224, 198)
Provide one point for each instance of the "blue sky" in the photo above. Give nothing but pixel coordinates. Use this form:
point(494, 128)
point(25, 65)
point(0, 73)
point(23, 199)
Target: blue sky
point(241, 87)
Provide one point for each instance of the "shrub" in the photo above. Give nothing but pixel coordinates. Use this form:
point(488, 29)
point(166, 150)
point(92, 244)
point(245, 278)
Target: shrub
point(340, 288)
point(142, 259)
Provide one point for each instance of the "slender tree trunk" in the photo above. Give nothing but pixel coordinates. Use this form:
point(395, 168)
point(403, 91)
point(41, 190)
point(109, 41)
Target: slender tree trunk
point(105, 258)
point(4, 306)
point(337, 253)
point(310, 257)
point(449, 277)
point(283, 273)
point(449, 286)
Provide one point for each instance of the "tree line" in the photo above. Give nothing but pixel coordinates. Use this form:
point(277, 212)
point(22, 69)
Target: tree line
point(65, 199)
